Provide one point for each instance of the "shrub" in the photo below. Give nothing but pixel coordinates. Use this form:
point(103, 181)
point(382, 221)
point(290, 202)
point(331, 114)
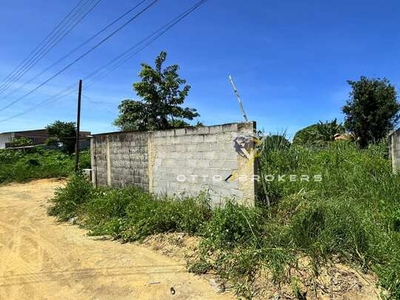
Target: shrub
point(352, 214)
point(150, 215)
point(106, 213)
point(233, 225)
point(18, 166)
point(69, 200)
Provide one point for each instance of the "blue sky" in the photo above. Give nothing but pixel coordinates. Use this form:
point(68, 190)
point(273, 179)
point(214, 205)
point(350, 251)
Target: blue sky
point(290, 59)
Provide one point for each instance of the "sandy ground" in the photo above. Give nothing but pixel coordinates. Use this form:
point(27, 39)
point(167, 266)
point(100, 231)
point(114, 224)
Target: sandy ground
point(40, 259)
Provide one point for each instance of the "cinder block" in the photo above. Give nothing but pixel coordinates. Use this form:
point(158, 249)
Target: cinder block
point(210, 138)
point(180, 132)
point(180, 148)
point(204, 164)
point(230, 127)
point(210, 155)
point(176, 140)
point(191, 147)
point(215, 129)
point(230, 164)
point(191, 163)
point(197, 139)
point(203, 147)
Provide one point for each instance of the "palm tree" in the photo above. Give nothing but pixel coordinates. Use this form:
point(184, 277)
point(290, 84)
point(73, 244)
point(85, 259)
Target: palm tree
point(326, 131)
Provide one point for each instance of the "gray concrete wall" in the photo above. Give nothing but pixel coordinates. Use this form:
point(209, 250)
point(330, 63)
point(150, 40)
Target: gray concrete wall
point(216, 159)
point(120, 159)
point(394, 150)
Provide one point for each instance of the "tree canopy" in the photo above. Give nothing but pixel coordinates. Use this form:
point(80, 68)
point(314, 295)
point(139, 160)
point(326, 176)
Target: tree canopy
point(21, 141)
point(318, 134)
point(162, 94)
point(62, 132)
point(372, 109)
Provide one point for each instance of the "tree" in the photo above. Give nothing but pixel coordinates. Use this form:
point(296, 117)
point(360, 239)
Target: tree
point(62, 132)
point(275, 142)
point(162, 92)
point(326, 131)
point(318, 134)
point(372, 109)
point(21, 141)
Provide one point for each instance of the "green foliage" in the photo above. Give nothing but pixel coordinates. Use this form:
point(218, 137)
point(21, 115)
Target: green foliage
point(305, 136)
point(372, 109)
point(326, 131)
point(67, 201)
point(130, 213)
point(10, 156)
point(240, 242)
point(352, 215)
point(318, 134)
point(150, 216)
point(106, 211)
point(18, 166)
point(85, 160)
point(233, 225)
point(21, 141)
point(62, 132)
point(162, 97)
point(275, 142)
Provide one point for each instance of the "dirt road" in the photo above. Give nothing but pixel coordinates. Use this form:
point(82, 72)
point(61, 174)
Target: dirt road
point(40, 259)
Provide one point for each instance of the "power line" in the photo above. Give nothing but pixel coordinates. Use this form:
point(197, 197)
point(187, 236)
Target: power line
point(119, 60)
point(82, 56)
point(66, 92)
point(77, 48)
point(60, 32)
point(40, 44)
point(128, 54)
point(99, 105)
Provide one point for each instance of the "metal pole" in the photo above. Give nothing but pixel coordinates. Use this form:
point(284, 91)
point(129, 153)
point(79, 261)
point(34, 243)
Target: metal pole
point(238, 97)
point(78, 127)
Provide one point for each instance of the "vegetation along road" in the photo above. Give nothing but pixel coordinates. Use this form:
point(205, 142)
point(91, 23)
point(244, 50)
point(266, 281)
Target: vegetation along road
point(40, 259)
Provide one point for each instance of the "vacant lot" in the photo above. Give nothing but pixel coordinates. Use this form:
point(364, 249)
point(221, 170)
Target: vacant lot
point(40, 259)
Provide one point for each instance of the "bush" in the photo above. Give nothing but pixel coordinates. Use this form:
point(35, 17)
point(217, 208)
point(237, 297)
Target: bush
point(68, 201)
point(130, 213)
point(151, 215)
point(18, 166)
point(106, 213)
point(352, 214)
point(233, 225)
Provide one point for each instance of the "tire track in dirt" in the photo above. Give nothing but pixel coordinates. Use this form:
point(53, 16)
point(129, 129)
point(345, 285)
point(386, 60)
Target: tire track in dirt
point(40, 259)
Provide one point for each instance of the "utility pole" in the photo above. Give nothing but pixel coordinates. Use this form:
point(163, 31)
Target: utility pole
point(78, 127)
point(239, 99)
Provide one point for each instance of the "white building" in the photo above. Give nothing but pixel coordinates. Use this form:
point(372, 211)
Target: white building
point(5, 137)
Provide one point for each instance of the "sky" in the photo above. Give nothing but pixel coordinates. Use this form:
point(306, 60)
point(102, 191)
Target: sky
point(290, 59)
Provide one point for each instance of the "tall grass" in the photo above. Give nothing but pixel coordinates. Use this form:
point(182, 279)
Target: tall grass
point(130, 213)
point(18, 166)
point(351, 213)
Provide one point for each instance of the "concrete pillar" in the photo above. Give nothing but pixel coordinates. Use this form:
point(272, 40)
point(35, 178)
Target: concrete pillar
point(109, 182)
point(93, 160)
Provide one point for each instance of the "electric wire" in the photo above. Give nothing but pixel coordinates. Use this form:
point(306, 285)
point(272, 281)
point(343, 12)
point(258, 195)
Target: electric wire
point(116, 62)
point(80, 57)
point(76, 49)
point(54, 38)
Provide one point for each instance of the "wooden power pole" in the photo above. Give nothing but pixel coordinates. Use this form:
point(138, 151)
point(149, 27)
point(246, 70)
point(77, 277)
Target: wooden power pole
point(78, 127)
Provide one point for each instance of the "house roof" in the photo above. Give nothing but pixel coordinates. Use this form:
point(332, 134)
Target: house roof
point(23, 131)
point(37, 130)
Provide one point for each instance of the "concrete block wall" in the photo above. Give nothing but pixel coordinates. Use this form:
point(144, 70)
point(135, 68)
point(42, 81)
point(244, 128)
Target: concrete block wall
point(120, 159)
point(179, 161)
point(394, 150)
